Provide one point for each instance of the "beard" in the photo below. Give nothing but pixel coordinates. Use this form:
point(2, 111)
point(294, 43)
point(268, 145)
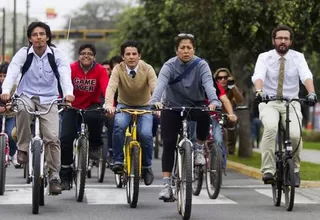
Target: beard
point(282, 48)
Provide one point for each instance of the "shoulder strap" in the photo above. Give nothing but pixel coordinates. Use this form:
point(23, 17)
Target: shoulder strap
point(54, 68)
point(28, 62)
point(186, 72)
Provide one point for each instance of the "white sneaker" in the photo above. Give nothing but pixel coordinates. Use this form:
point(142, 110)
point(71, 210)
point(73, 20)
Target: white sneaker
point(15, 161)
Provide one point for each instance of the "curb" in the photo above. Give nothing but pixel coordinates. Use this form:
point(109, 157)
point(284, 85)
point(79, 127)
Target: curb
point(256, 173)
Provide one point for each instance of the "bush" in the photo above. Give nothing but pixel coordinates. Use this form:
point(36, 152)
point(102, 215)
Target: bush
point(310, 136)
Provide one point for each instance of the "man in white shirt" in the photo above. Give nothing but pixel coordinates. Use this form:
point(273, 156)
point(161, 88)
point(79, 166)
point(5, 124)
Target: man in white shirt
point(39, 87)
point(267, 81)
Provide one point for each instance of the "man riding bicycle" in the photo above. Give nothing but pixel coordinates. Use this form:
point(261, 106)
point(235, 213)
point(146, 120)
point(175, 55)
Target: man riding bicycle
point(89, 80)
point(189, 91)
point(277, 74)
point(135, 81)
point(39, 87)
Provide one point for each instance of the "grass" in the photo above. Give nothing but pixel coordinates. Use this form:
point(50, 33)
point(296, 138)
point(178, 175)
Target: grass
point(311, 145)
point(308, 171)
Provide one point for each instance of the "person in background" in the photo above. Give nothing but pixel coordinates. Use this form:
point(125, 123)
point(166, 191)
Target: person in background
point(106, 65)
point(10, 119)
point(224, 77)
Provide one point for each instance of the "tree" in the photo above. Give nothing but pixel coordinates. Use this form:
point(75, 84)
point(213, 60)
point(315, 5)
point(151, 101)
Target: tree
point(96, 15)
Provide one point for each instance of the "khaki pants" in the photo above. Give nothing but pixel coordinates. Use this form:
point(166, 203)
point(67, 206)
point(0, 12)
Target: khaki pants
point(49, 127)
point(269, 116)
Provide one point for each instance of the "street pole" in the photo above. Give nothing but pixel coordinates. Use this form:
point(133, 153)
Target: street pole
point(14, 46)
point(3, 33)
point(27, 13)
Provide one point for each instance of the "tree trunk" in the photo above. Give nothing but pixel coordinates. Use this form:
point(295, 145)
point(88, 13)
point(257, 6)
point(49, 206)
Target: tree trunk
point(237, 61)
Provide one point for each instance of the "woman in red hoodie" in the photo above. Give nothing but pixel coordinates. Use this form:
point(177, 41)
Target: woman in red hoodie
point(90, 81)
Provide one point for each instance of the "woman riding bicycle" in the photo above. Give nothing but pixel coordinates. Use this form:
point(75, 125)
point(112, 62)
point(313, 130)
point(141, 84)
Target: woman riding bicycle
point(189, 90)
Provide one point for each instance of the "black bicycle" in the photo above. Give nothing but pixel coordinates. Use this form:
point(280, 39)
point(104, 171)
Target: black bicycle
point(81, 153)
point(284, 178)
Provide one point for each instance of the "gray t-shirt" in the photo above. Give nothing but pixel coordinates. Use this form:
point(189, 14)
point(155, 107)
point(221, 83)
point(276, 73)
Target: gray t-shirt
point(191, 90)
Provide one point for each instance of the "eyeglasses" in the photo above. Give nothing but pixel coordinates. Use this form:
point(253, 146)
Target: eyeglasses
point(86, 54)
point(186, 35)
point(222, 77)
point(282, 38)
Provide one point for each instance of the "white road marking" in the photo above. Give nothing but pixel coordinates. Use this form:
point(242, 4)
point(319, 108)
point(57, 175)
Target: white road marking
point(297, 199)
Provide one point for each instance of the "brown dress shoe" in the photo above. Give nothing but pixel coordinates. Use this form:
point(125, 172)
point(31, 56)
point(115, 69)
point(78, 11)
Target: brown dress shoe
point(22, 157)
point(55, 187)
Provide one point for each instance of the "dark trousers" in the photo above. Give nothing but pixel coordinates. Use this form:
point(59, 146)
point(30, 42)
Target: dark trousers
point(171, 123)
point(71, 121)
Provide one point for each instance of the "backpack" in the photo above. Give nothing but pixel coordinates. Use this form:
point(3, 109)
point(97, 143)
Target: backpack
point(52, 63)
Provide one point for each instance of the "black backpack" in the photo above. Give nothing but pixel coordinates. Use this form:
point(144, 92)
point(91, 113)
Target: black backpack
point(52, 63)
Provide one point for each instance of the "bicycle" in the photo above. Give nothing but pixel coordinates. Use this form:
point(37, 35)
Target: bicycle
point(4, 155)
point(182, 176)
point(81, 153)
point(132, 158)
point(37, 168)
point(215, 162)
point(284, 180)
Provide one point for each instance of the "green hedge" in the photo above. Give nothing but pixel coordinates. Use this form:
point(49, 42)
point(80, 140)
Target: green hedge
point(310, 136)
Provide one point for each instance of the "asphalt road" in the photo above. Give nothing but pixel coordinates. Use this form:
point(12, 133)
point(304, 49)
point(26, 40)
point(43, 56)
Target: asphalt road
point(241, 198)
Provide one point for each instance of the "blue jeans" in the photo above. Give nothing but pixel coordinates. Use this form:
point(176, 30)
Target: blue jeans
point(144, 123)
point(10, 123)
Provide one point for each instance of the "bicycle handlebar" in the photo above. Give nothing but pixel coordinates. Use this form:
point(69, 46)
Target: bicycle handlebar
point(66, 107)
point(25, 104)
point(287, 100)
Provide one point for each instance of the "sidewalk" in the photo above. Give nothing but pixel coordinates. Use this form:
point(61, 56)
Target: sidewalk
point(312, 156)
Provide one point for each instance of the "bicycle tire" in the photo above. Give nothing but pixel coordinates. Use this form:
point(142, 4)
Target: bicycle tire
point(102, 164)
point(289, 184)
point(213, 168)
point(36, 180)
point(2, 164)
point(198, 180)
point(186, 191)
point(277, 185)
point(81, 168)
point(134, 177)
point(41, 200)
point(118, 179)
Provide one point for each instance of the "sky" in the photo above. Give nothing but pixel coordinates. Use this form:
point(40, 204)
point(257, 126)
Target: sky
point(38, 8)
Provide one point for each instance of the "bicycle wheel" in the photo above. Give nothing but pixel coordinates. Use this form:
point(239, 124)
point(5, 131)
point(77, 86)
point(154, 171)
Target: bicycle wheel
point(277, 185)
point(213, 171)
point(2, 164)
point(133, 177)
point(102, 164)
point(42, 186)
point(36, 180)
point(81, 161)
point(186, 181)
point(197, 181)
point(289, 184)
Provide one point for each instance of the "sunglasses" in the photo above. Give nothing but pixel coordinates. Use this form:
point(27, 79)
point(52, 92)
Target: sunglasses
point(186, 35)
point(222, 77)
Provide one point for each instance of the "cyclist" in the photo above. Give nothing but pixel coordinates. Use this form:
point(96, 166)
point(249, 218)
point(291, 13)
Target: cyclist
point(89, 80)
point(224, 78)
point(38, 87)
point(190, 91)
point(277, 73)
point(10, 119)
point(135, 81)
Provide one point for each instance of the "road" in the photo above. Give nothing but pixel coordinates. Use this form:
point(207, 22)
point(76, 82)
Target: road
point(241, 198)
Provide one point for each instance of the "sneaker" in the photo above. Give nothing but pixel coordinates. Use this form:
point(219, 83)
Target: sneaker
point(166, 193)
point(55, 187)
point(66, 178)
point(15, 161)
point(199, 158)
point(147, 176)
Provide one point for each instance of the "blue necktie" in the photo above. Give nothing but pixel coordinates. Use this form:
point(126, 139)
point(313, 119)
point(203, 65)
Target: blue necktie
point(133, 73)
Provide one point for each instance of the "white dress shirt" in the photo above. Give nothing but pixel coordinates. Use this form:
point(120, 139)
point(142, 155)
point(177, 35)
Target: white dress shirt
point(295, 67)
point(129, 70)
point(39, 80)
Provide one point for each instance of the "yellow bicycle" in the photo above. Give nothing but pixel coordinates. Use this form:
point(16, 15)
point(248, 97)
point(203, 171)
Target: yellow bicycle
point(132, 157)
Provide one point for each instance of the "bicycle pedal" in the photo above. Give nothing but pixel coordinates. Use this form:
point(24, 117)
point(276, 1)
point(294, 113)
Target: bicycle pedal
point(269, 182)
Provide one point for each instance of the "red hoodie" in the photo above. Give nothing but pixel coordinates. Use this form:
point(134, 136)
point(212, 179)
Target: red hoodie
point(88, 87)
